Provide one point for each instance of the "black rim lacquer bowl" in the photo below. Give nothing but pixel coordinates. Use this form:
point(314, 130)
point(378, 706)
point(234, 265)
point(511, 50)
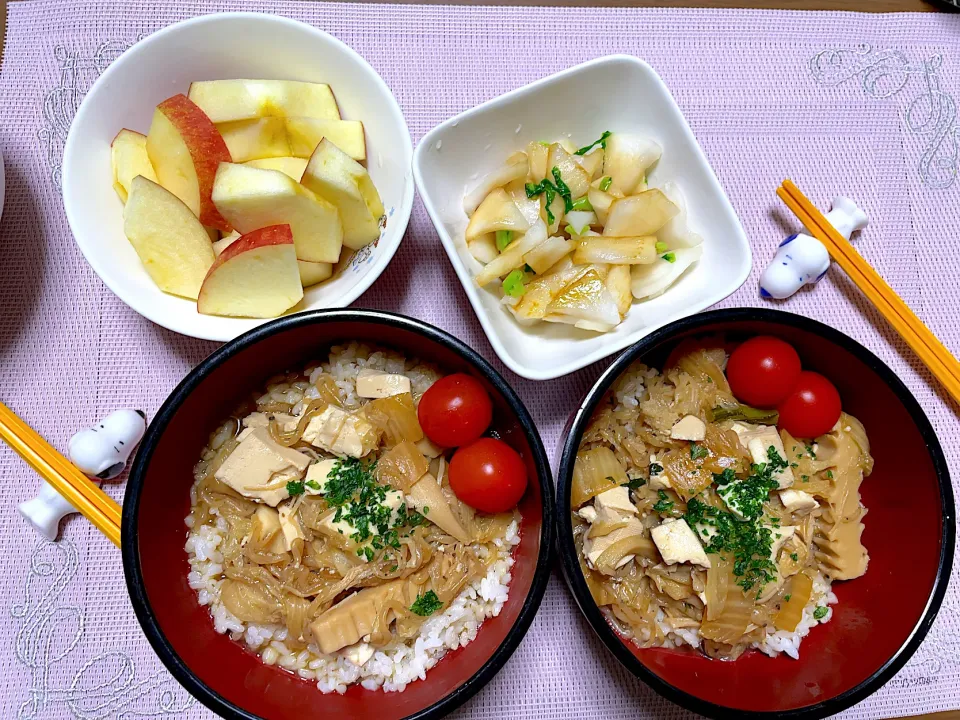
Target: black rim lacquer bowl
point(881, 618)
point(221, 673)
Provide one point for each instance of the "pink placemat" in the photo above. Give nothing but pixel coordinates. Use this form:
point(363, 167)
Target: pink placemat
point(860, 104)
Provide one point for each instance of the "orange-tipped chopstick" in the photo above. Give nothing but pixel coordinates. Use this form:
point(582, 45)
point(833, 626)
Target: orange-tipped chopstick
point(98, 507)
point(918, 336)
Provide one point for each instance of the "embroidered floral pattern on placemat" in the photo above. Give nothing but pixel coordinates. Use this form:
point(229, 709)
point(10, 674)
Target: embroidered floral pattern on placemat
point(931, 114)
point(106, 686)
point(77, 74)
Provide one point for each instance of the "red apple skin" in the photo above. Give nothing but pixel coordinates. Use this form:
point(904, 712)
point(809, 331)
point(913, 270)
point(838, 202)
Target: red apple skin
point(271, 235)
point(207, 149)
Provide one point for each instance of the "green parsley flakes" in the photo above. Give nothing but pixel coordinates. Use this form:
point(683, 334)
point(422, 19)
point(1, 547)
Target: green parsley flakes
point(664, 503)
point(794, 557)
point(426, 604)
point(294, 487)
point(820, 612)
point(698, 452)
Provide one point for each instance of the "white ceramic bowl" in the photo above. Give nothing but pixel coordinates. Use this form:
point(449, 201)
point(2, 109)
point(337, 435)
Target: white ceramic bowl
point(617, 93)
point(212, 47)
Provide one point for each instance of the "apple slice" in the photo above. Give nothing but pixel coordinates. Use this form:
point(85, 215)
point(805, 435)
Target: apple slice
point(312, 273)
point(128, 155)
point(185, 149)
point(341, 180)
point(225, 100)
point(252, 198)
point(305, 134)
point(223, 243)
point(292, 166)
point(271, 137)
point(172, 244)
point(256, 276)
point(255, 139)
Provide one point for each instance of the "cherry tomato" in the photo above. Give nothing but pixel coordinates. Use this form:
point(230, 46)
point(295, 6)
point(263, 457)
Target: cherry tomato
point(812, 408)
point(456, 410)
point(488, 475)
point(763, 370)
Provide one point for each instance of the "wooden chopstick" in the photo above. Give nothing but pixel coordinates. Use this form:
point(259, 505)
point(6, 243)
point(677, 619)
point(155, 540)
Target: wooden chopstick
point(918, 336)
point(98, 507)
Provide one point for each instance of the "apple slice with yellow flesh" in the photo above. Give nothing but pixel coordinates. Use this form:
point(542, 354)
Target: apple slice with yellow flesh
point(128, 155)
point(172, 244)
point(256, 276)
point(342, 181)
point(305, 133)
point(225, 100)
point(252, 198)
point(312, 273)
point(270, 137)
point(223, 243)
point(186, 149)
point(292, 166)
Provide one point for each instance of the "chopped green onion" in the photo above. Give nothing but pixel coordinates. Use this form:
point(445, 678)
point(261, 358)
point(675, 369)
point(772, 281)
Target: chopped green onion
point(602, 142)
point(543, 142)
point(786, 598)
point(584, 204)
point(562, 189)
point(504, 238)
point(513, 284)
point(670, 257)
point(795, 557)
point(660, 247)
point(312, 484)
point(820, 613)
point(606, 183)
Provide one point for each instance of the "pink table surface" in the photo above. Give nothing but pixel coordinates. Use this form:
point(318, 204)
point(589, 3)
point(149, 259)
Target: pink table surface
point(859, 104)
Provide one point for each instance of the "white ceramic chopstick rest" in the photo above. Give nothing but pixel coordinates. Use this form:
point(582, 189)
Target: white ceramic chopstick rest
point(803, 260)
point(100, 452)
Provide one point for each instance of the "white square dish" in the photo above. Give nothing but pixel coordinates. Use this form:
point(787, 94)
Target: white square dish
point(618, 93)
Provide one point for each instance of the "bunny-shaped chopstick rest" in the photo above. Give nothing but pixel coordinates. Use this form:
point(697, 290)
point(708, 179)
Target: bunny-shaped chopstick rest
point(100, 452)
point(803, 260)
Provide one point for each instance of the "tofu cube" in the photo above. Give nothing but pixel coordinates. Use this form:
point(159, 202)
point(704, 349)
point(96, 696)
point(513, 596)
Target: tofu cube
point(758, 439)
point(689, 427)
point(378, 384)
point(359, 654)
point(798, 502)
point(659, 481)
point(616, 500)
point(588, 513)
point(677, 543)
point(318, 474)
point(260, 468)
point(340, 433)
point(323, 429)
point(357, 437)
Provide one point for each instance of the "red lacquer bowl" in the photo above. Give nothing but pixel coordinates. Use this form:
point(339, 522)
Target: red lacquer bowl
point(883, 616)
point(222, 673)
